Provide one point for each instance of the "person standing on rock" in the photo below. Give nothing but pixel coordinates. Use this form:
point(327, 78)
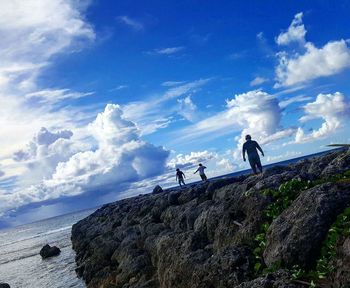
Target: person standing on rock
point(252, 147)
point(201, 172)
point(180, 177)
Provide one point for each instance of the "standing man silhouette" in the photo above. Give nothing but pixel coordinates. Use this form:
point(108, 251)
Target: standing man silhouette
point(251, 148)
point(180, 176)
point(201, 172)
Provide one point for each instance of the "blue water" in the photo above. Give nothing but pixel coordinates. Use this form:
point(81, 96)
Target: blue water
point(21, 265)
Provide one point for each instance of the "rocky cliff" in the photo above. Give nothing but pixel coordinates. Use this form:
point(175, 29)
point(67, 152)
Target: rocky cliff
point(286, 228)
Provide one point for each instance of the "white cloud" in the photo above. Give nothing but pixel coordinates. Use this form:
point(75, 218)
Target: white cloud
point(132, 23)
point(295, 99)
point(120, 87)
point(295, 68)
point(32, 32)
point(191, 160)
point(295, 33)
point(255, 112)
point(120, 158)
point(187, 108)
point(331, 59)
point(151, 114)
point(258, 80)
point(51, 96)
point(168, 50)
point(333, 109)
point(172, 83)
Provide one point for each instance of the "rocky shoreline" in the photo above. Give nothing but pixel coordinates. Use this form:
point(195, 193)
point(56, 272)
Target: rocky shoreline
point(272, 230)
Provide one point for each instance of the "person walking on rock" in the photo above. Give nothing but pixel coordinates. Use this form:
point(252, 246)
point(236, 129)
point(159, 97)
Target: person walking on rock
point(180, 177)
point(251, 148)
point(201, 172)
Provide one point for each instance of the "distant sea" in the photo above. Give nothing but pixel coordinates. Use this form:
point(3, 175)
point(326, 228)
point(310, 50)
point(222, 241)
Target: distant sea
point(21, 265)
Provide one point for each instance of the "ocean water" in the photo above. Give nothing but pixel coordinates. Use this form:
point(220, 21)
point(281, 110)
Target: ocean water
point(21, 265)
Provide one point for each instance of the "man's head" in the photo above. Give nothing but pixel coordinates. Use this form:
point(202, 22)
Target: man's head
point(248, 137)
point(177, 169)
point(199, 164)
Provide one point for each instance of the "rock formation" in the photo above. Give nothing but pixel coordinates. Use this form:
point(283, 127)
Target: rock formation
point(48, 251)
point(206, 235)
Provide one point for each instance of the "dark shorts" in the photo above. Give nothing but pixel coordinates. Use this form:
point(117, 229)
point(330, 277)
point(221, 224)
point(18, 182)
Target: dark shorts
point(204, 177)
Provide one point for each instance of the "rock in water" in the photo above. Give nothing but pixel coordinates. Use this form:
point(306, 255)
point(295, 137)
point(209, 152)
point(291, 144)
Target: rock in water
point(48, 251)
point(157, 190)
point(4, 285)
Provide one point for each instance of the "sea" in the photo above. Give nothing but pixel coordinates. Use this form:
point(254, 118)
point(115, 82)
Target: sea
point(21, 265)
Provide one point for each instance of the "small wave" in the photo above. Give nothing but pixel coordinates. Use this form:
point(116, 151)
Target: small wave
point(41, 234)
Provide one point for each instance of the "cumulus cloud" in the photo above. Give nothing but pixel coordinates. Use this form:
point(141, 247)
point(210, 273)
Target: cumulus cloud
point(191, 160)
point(44, 138)
point(331, 59)
point(255, 112)
point(121, 157)
point(313, 62)
point(295, 33)
point(333, 109)
point(259, 114)
point(29, 41)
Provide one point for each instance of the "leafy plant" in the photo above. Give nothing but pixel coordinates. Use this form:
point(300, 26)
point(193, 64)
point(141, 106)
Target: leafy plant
point(282, 198)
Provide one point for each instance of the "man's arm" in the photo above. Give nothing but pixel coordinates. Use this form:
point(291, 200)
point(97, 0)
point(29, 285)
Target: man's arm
point(184, 174)
point(259, 148)
point(243, 152)
point(196, 171)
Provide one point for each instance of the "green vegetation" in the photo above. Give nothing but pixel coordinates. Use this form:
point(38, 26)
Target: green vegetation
point(282, 199)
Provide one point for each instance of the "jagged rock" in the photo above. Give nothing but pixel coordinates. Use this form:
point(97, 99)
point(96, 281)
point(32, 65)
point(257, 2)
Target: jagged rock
point(279, 279)
point(295, 237)
point(48, 251)
point(341, 276)
point(4, 285)
point(203, 235)
point(157, 190)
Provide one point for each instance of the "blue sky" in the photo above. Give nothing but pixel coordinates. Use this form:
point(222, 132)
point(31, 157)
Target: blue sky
point(104, 99)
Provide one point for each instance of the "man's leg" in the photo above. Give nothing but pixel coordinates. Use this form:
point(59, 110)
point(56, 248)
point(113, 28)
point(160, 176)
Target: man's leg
point(252, 164)
point(258, 163)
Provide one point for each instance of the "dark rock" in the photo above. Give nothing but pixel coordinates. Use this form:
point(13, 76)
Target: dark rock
point(341, 276)
point(296, 236)
point(4, 285)
point(48, 251)
point(157, 190)
point(279, 279)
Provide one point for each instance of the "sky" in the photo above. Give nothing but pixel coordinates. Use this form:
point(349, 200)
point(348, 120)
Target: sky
point(102, 100)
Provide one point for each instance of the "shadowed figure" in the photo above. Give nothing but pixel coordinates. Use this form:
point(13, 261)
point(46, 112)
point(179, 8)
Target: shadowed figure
point(180, 177)
point(252, 147)
point(201, 172)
